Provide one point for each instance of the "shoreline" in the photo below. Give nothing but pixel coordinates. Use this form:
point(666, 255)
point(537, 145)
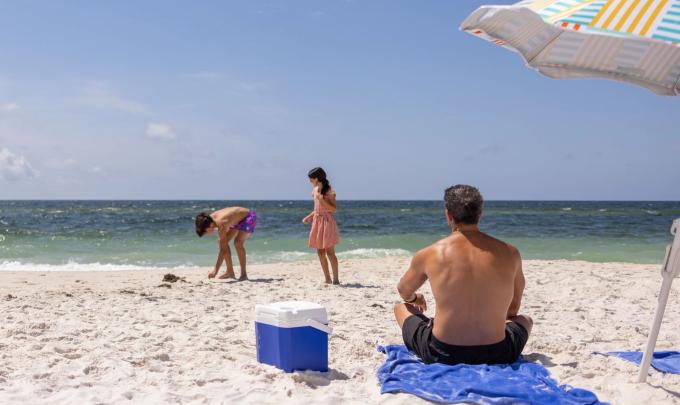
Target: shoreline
point(190, 268)
point(116, 336)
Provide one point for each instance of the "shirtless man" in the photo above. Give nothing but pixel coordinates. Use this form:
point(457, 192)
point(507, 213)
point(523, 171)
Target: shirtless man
point(477, 283)
point(236, 223)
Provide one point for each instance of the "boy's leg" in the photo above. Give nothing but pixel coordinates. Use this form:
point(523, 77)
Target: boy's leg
point(330, 252)
point(324, 264)
point(227, 258)
point(240, 245)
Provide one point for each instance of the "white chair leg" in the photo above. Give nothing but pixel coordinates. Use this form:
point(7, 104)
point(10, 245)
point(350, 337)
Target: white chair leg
point(654, 333)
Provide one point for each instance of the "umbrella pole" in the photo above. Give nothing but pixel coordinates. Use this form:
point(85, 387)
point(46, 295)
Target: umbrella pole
point(654, 333)
point(670, 270)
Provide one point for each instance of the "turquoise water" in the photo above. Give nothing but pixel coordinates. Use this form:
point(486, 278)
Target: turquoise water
point(91, 235)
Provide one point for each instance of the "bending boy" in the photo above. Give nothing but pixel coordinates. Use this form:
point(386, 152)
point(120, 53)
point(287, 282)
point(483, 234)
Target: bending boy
point(235, 223)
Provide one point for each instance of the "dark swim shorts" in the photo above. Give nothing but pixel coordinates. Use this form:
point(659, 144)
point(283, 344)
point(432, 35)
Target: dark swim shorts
point(418, 337)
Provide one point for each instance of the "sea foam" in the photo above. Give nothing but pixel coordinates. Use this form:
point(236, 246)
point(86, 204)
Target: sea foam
point(74, 266)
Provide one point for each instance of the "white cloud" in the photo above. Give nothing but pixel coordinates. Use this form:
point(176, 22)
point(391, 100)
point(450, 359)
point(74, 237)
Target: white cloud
point(157, 130)
point(98, 94)
point(204, 75)
point(13, 167)
point(9, 107)
point(60, 163)
point(96, 169)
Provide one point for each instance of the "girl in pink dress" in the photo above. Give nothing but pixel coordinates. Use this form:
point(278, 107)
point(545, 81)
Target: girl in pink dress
point(324, 234)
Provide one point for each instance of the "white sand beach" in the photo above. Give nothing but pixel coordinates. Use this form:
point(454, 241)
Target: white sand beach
point(121, 337)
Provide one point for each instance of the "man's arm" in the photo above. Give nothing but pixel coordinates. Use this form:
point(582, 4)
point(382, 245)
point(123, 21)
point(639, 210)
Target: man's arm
point(414, 277)
point(519, 286)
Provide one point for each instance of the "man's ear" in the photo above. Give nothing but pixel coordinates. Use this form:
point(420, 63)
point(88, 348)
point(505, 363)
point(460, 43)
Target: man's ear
point(449, 217)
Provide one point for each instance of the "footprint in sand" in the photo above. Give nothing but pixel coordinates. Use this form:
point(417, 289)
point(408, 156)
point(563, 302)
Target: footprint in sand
point(162, 357)
point(63, 349)
point(89, 369)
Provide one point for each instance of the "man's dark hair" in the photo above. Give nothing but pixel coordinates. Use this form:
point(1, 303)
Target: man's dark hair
point(464, 203)
point(203, 222)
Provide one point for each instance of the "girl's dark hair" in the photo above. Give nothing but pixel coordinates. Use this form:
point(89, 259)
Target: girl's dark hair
point(319, 174)
point(203, 222)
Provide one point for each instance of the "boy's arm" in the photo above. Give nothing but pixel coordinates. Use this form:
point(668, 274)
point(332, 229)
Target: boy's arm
point(223, 250)
point(519, 284)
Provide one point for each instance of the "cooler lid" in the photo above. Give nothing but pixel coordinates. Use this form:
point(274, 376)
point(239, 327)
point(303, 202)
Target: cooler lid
point(290, 314)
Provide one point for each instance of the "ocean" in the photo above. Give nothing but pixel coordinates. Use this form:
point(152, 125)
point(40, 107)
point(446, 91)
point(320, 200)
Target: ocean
point(119, 235)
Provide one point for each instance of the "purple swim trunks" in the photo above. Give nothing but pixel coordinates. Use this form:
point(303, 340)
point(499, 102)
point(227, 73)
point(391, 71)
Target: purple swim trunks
point(248, 223)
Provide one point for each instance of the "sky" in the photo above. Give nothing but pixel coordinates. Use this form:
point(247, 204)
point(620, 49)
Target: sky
point(239, 99)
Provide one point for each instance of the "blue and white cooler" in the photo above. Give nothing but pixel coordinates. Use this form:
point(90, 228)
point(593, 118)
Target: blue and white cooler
point(292, 335)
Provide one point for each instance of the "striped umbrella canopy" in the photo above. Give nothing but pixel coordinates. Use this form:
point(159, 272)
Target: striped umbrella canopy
point(634, 41)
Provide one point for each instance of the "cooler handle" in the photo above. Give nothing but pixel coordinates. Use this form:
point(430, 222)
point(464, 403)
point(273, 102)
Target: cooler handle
point(320, 326)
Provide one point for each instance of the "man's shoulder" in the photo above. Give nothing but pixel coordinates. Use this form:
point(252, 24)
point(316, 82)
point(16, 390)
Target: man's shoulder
point(502, 245)
point(433, 252)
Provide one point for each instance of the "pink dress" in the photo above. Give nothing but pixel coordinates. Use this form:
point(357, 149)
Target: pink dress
point(324, 233)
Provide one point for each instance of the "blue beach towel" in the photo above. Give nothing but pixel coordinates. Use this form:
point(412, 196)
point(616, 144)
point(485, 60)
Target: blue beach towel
point(519, 383)
point(664, 361)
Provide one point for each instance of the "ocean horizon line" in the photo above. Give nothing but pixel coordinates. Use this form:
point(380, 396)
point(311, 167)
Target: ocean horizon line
point(307, 200)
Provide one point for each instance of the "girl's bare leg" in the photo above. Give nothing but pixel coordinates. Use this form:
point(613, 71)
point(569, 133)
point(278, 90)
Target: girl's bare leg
point(330, 252)
point(240, 245)
point(324, 264)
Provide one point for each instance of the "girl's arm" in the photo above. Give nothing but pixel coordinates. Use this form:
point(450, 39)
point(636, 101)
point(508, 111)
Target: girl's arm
point(308, 218)
point(330, 201)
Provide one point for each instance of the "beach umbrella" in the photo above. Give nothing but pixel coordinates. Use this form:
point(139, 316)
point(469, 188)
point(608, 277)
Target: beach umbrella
point(632, 41)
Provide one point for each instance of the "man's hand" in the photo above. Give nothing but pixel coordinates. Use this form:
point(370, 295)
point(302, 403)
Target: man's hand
point(419, 303)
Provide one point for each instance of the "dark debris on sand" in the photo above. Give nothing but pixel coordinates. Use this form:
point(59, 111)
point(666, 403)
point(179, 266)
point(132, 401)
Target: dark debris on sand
point(10, 297)
point(171, 278)
point(164, 285)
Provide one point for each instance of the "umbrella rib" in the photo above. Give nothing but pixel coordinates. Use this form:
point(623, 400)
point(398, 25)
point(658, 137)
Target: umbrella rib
point(560, 32)
point(600, 74)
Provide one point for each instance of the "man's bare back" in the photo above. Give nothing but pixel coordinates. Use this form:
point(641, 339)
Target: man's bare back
point(477, 283)
point(472, 277)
